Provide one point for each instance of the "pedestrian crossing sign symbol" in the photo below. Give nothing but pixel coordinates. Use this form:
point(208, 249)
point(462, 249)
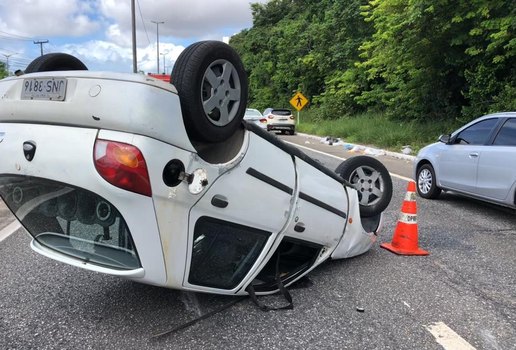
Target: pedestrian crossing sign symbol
point(298, 101)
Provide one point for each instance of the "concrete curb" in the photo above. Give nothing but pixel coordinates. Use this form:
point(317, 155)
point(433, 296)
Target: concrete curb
point(375, 151)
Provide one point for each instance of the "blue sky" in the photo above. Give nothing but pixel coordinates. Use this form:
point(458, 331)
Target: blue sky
point(98, 32)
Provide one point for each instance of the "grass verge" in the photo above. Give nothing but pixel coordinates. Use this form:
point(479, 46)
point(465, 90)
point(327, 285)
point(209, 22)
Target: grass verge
point(376, 130)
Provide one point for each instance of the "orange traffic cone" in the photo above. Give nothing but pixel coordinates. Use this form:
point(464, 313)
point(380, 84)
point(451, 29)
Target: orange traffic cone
point(405, 238)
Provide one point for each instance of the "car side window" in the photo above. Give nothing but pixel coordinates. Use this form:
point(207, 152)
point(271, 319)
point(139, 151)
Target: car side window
point(477, 134)
point(507, 134)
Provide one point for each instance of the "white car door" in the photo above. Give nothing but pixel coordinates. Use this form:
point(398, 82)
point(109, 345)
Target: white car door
point(497, 166)
point(458, 167)
point(235, 223)
point(458, 164)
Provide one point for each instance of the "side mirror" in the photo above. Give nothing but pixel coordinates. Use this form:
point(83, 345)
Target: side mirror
point(445, 139)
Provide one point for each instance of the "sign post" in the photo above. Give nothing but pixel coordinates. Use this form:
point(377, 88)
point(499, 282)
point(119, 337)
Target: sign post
point(299, 101)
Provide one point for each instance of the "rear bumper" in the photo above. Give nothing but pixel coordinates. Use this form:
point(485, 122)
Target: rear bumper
point(271, 127)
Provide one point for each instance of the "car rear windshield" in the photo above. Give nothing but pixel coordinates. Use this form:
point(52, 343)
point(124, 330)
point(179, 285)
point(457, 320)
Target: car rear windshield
point(281, 112)
point(71, 221)
point(252, 113)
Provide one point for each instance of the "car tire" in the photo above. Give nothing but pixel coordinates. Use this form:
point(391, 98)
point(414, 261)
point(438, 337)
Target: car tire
point(371, 180)
point(55, 62)
point(212, 85)
point(426, 182)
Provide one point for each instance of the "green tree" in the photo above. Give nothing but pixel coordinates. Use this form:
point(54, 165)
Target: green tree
point(299, 45)
point(410, 59)
point(3, 71)
point(438, 59)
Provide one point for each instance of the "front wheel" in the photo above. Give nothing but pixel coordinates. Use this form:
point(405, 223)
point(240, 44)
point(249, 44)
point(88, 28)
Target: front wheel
point(426, 182)
point(371, 180)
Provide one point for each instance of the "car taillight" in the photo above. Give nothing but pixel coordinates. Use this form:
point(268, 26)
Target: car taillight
point(122, 165)
point(263, 120)
point(270, 116)
point(292, 117)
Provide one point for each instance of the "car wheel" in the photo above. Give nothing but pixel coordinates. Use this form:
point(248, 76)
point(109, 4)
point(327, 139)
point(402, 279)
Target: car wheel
point(291, 132)
point(427, 182)
point(55, 62)
point(371, 180)
point(212, 85)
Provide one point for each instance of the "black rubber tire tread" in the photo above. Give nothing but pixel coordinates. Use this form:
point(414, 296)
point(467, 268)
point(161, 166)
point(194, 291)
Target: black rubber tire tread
point(346, 168)
point(187, 77)
point(182, 61)
point(55, 62)
point(434, 190)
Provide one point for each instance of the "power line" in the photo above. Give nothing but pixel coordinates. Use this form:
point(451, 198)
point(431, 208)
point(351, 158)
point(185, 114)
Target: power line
point(143, 22)
point(11, 36)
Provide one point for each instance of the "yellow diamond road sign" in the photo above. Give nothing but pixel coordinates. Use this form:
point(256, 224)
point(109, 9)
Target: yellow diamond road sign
point(298, 101)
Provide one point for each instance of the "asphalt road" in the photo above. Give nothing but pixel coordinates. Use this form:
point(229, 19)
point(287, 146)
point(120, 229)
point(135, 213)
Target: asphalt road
point(375, 301)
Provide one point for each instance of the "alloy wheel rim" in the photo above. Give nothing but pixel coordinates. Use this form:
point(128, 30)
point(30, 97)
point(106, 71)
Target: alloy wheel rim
point(220, 92)
point(425, 181)
point(369, 184)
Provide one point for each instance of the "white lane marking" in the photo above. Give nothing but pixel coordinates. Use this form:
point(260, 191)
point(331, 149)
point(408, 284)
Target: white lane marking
point(9, 229)
point(447, 338)
point(340, 158)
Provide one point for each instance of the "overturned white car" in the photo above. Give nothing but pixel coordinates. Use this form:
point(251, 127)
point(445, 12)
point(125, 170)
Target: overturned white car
point(165, 184)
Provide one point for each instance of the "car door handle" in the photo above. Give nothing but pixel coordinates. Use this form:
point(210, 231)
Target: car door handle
point(473, 155)
point(219, 201)
point(300, 227)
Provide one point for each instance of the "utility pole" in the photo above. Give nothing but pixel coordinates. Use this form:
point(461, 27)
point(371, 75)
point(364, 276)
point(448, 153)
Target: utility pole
point(40, 43)
point(157, 40)
point(164, 66)
point(133, 21)
point(7, 61)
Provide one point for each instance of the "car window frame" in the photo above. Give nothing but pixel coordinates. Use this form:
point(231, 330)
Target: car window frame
point(499, 130)
point(489, 140)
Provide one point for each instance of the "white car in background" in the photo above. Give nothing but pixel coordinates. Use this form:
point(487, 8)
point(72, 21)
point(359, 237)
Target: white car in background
point(254, 116)
point(165, 184)
point(478, 160)
point(280, 119)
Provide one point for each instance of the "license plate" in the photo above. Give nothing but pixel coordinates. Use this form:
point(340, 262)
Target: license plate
point(51, 89)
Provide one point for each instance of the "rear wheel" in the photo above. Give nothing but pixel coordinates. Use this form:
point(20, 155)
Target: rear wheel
point(371, 180)
point(212, 85)
point(426, 182)
point(55, 62)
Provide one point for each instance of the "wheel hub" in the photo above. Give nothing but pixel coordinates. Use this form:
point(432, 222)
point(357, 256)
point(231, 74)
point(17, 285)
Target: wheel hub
point(221, 92)
point(368, 183)
point(425, 181)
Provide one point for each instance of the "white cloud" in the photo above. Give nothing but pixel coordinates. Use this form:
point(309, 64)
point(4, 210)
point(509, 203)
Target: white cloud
point(40, 18)
point(182, 19)
point(112, 57)
point(99, 31)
